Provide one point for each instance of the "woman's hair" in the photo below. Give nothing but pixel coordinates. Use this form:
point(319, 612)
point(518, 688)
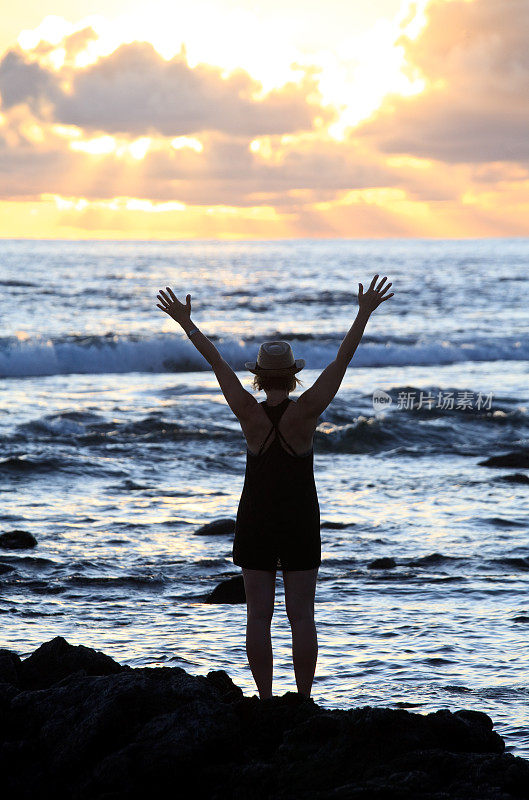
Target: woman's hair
point(286, 382)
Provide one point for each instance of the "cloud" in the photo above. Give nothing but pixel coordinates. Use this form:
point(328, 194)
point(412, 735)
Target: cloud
point(225, 172)
point(24, 81)
point(77, 41)
point(134, 91)
point(475, 108)
point(87, 146)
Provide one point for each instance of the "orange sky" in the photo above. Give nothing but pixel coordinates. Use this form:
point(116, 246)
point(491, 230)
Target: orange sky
point(265, 120)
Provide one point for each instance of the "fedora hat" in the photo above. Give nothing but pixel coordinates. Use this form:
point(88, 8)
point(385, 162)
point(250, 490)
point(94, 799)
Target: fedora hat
point(275, 359)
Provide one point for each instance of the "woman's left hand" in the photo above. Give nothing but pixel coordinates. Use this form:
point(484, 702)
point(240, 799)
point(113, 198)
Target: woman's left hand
point(368, 301)
point(180, 312)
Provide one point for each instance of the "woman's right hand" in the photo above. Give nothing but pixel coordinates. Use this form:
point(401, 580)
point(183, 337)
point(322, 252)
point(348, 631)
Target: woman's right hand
point(373, 297)
point(180, 312)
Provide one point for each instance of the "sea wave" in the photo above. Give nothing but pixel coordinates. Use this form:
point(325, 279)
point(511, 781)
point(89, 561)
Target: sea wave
point(113, 353)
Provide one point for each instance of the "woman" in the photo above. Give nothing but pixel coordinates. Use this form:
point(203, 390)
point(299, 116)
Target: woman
point(278, 522)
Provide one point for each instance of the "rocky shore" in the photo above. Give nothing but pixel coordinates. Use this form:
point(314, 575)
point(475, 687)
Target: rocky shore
point(76, 724)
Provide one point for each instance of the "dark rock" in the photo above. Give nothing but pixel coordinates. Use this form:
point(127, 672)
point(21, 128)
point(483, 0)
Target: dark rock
point(521, 618)
point(430, 560)
point(228, 591)
point(382, 563)
point(217, 527)
point(17, 540)
point(9, 667)
point(336, 525)
point(226, 687)
point(57, 659)
point(516, 477)
point(124, 735)
point(518, 458)
point(5, 568)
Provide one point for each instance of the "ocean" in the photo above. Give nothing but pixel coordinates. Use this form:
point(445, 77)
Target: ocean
point(117, 445)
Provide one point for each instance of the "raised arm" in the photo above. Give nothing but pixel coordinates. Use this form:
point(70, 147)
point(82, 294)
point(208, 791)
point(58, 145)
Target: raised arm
point(315, 400)
point(239, 400)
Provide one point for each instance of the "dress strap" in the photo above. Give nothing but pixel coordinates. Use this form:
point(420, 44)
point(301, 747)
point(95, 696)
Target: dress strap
point(278, 435)
point(278, 432)
point(276, 429)
point(267, 438)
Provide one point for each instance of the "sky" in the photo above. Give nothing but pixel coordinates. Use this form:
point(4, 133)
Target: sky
point(273, 119)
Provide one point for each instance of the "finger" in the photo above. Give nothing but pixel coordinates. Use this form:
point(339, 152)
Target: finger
point(167, 300)
point(387, 297)
point(171, 294)
point(188, 301)
point(381, 284)
point(373, 281)
point(161, 299)
point(385, 288)
point(162, 308)
point(360, 290)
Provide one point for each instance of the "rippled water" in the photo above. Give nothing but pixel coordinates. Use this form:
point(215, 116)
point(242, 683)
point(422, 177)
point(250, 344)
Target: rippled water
point(117, 445)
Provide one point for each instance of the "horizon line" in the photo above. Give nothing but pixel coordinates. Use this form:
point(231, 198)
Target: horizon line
point(236, 240)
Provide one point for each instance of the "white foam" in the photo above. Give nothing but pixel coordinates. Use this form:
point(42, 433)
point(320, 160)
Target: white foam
point(37, 357)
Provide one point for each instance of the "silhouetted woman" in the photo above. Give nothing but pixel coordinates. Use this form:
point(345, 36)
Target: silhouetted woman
point(278, 522)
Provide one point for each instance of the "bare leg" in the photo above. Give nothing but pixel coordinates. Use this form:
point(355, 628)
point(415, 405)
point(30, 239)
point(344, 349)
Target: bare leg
point(260, 595)
point(300, 589)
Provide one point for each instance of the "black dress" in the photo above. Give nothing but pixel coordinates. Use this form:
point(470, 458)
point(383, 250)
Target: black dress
point(278, 519)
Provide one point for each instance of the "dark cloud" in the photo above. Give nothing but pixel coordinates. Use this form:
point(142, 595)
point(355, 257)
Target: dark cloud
point(24, 81)
point(475, 108)
point(135, 91)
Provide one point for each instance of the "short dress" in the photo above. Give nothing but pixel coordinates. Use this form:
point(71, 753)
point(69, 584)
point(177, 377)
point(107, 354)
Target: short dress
point(278, 519)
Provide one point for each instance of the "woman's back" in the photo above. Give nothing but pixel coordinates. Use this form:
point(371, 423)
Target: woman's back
point(295, 429)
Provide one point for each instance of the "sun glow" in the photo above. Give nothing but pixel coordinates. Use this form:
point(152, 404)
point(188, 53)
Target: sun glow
point(101, 145)
point(271, 110)
point(367, 68)
point(104, 145)
point(139, 147)
point(353, 77)
point(52, 30)
point(67, 131)
point(181, 142)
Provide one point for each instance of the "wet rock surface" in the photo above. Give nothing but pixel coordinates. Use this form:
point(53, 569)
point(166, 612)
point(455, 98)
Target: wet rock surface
point(382, 563)
point(229, 591)
point(516, 477)
point(89, 728)
point(517, 458)
point(17, 540)
point(217, 528)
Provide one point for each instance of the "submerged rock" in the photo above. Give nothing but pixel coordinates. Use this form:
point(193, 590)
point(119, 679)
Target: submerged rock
point(17, 540)
point(127, 733)
point(518, 458)
point(228, 591)
point(217, 527)
point(516, 477)
point(382, 563)
point(336, 525)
